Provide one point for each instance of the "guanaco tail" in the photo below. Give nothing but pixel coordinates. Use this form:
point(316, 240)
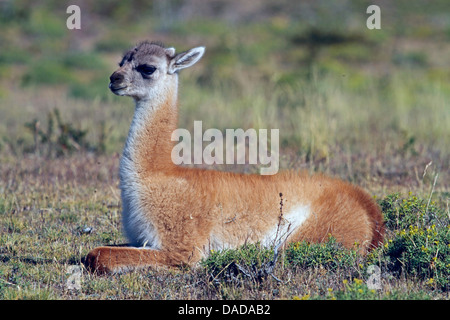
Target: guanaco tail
point(173, 215)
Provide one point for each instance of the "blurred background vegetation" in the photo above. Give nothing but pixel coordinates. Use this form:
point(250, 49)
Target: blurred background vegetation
point(369, 106)
point(310, 68)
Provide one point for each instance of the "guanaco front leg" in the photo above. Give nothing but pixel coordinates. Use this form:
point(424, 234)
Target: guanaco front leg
point(115, 259)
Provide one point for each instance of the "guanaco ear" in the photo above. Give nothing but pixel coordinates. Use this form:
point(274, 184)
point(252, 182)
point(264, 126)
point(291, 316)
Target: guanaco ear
point(170, 52)
point(185, 59)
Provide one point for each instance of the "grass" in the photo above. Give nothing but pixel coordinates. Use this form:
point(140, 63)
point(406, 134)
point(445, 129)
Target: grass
point(370, 107)
point(51, 204)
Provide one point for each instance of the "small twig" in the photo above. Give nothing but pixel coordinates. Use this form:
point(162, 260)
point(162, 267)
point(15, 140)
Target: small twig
point(242, 269)
point(230, 220)
point(280, 218)
point(426, 168)
point(221, 271)
point(9, 283)
point(278, 280)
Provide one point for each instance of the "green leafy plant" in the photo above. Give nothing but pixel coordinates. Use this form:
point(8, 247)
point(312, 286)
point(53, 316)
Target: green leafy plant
point(420, 245)
point(423, 252)
point(329, 255)
point(250, 261)
point(400, 213)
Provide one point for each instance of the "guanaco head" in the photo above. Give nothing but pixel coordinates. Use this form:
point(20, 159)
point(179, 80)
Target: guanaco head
point(146, 69)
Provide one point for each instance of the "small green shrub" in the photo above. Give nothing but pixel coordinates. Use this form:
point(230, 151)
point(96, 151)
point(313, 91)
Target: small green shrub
point(420, 245)
point(329, 255)
point(400, 213)
point(423, 252)
point(249, 260)
point(255, 261)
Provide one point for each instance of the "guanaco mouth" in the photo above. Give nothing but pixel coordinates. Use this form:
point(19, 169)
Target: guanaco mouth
point(114, 89)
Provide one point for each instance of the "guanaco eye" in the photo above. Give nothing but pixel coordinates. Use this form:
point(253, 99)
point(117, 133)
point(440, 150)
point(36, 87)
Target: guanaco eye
point(145, 69)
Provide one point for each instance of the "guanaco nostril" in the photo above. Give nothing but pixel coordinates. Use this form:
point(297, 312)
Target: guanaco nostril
point(116, 77)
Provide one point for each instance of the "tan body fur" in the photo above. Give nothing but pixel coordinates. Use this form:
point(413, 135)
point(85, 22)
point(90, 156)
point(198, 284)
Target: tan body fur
point(178, 214)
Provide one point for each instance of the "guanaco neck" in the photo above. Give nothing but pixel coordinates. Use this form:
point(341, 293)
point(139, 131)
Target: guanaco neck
point(148, 146)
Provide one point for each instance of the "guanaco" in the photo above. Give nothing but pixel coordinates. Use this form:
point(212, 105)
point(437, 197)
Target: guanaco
point(173, 215)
